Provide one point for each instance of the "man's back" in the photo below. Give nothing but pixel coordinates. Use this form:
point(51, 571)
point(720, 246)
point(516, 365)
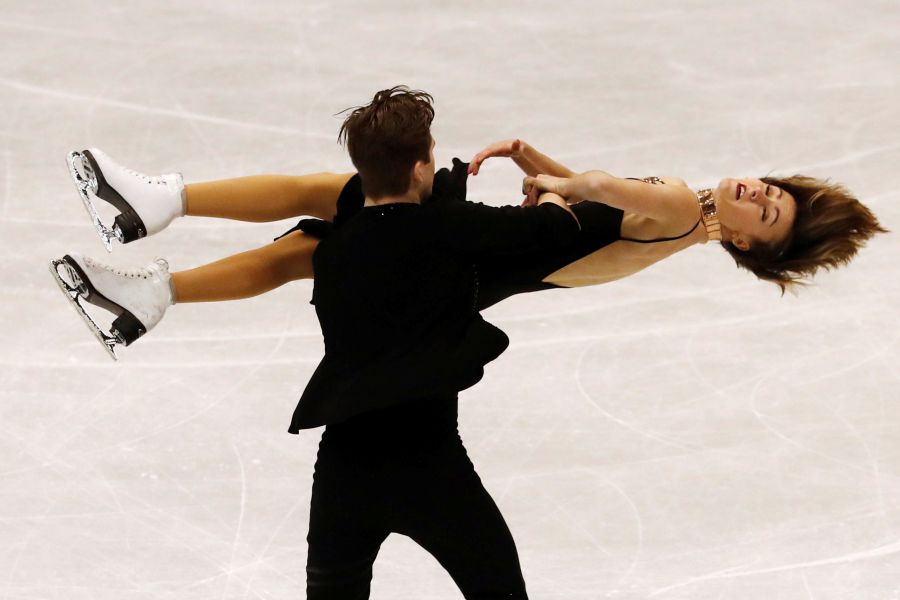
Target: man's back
point(396, 293)
point(397, 308)
point(385, 280)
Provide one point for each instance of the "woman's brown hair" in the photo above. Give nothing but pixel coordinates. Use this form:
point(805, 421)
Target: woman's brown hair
point(387, 137)
point(831, 225)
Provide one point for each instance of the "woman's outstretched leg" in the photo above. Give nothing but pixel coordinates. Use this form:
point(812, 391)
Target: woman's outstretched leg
point(138, 297)
point(147, 204)
point(249, 273)
point(263, 198)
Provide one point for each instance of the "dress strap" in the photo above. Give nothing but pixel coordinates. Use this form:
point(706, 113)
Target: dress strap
point(663, 239)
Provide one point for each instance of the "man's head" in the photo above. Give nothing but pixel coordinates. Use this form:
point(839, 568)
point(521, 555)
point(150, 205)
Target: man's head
point(389, 141)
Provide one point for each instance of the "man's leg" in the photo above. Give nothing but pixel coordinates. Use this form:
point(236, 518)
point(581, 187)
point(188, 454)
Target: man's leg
point(455, 519)
point(263, 198)
point(346, 530)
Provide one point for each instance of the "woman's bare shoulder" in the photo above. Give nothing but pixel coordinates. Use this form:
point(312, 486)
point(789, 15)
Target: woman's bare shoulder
point(681, 201)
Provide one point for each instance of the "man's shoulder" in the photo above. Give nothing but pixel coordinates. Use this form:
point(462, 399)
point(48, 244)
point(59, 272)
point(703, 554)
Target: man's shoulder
point(395, 223)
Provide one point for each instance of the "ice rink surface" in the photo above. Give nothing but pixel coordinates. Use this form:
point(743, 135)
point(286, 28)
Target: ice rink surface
point(685, 433)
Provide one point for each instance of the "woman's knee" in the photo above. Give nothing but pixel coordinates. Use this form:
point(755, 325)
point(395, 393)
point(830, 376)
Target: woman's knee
point(292, 256)
point(317, 194)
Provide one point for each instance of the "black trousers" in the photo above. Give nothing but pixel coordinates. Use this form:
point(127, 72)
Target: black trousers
point(404, 471)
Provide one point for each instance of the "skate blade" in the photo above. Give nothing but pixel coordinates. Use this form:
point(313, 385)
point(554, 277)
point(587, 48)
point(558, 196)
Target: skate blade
point(86, 182)
point(73, 288)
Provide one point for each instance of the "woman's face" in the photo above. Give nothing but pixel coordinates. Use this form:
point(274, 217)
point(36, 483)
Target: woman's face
point(753, 212)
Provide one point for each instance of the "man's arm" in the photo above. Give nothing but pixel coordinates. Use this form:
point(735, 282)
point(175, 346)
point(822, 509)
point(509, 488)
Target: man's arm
point(477, 229)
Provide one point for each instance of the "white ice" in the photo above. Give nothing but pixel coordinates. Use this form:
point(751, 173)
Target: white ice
point(684, 433)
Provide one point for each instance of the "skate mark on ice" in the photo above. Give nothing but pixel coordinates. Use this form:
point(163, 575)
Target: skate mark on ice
point(873, 461)
point(809, 593)
point(639, 524)
point(7, 187)
point(831, 374)
point(79, 35)
point(538, 446)
point(240, 522)
point(570, 521)
point(879, 552)
point(647, 434)
point(851, 158)
point(261, 556)
point(164, 112)
point(11, 574)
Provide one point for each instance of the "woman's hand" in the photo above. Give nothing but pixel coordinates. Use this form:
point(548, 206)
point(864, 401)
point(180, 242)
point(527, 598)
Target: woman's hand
point(506, 149)
point(573, 189)
point(533, 187)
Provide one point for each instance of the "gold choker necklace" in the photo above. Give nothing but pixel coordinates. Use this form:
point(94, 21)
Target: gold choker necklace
point(708, 214)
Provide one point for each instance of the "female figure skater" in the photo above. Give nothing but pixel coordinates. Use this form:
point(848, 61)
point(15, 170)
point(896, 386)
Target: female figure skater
point(782, 229)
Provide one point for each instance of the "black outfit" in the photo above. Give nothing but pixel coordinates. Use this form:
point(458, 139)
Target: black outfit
point(395, 292)
point(402, 467)
point(505, 276)
point(405, 470)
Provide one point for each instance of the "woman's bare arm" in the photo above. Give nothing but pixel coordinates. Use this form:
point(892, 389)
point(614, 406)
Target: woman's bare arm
point(531, 161)
point(544, 163)
point(666, 203)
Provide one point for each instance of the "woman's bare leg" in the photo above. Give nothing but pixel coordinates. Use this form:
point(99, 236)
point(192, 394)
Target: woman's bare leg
point(263, 198)
point(248, 273)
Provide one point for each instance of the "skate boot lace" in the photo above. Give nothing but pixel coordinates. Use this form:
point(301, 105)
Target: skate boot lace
point(150, 179)
point(131, 272)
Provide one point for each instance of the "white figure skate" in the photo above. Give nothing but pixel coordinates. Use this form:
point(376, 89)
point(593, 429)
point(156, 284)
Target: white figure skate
point(147, 204)
point(137, 297)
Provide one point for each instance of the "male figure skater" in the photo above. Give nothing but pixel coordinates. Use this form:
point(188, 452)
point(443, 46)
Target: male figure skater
point(395, 294)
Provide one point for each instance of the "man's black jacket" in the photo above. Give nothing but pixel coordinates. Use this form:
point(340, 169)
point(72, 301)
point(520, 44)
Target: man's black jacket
point(395, 294)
